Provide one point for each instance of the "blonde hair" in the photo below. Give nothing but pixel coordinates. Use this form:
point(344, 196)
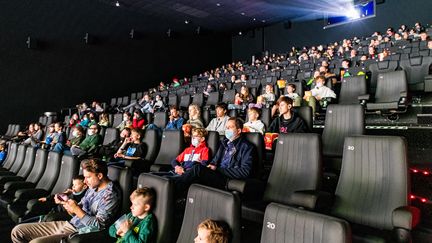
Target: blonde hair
point(219, 232)
point(197, 109)
point(201, 132)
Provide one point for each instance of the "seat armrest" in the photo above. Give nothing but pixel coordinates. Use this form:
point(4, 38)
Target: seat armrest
point(27, 194)
point(5, 179)
point(428, 83)
point(313, 200)
point(363, 97)
point(34, 207)
point(160, 168)
point(101, 236)
point(403, 94)
point(140, 164)
point(15, 185)
point(250, 189)
point(406, 217)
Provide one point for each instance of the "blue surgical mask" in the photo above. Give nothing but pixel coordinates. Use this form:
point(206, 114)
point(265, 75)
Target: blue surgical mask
point(195, 142)
point(229, 134)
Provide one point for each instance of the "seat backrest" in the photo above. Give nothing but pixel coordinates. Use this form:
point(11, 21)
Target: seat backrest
point(173, 100)
point(185, 101)
point(164, 204)
point(299, 88)
point(377, 68)
point(125, 100)
point(202, 203)
point(19, 160)
point(152, 143)
point(28, 162)
point(206, 116)
point(11, 156)
point(213, 142)
point(229, 96)
point(39, 166)
point(341, 121)
point(51, 173)
point(9, 130)
point(160, 119)
point(213, 99)
point(15, 129)
point(69, 168)
point(256, 139)
point(119, 101)
point(390, 85)
point(351, 88)
point(118, 118)
point(172, 144)
point(265, 116)
point(111, 135)
point(113, 101)
point(198, 99)
point(305, 113)
point(374, 180)
point(296, 166)
point(416, 69)
point(285, 224)
point(123, 178)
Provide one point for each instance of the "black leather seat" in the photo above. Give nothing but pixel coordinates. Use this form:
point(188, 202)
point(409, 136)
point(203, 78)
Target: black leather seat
point(185, 101)
point(198, 99)
point(374, 187)
point(213, 142)
point(202, 203)
point(296, 168)
point(377, 68)
point(173, 100)
point(285, 224)
point(229, 96)
point(164, 204)
point(25, 190)
point(160, 119)
point(352, 90)
point(111, 136)
point(305, 113)
point(212, 99)
point(25, 169)
point(19, 161)
point(416, 70)
point(11, 155)
point(118, 118)
point(172, 144)
point(391, 93)
point(30, 206)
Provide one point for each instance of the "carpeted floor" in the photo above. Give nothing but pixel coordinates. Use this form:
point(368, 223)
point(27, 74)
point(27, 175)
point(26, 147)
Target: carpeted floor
point(6, 225)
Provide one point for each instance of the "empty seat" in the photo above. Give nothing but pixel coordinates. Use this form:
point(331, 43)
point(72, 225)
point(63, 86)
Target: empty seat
point(164, 204)
point(198, 99)
point(19, 160)
point(374, 187)
point(305, 113)
point(203, 203)
point(172, 144)
point(173, 100)
point(160, 119)
point(118, 118)
point(295, 168)
point(229, 96)
point(25, 169)
point(377, 68)
point(212, 99)
point(285, 224)
point(391, 93)
point(111, 136)
point(417, 69)
point(20, 209)
point(352, 88)
point(185, 101)
point(10, 159)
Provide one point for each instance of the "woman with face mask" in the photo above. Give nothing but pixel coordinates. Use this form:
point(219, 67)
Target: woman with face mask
point(89, 144)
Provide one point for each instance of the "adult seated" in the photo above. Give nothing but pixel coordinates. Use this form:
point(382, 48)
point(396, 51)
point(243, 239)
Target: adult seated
point(287, 121)
point(218, 124)
point(96, 210)
point(89, 144)
point(59, 139)
point(132, 149)
point(175, 120)
point(36, 136)
point(233, 160)
point(78, 135)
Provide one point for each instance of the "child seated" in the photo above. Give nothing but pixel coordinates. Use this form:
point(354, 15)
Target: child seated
point(290, 93)
point(2, 153)
point(139, 225)
point(198, 152)
point(254, 125)
point(210, 231)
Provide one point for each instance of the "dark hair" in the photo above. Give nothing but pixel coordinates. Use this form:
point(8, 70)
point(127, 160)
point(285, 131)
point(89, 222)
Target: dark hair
point(292, 86)
point(222, 105)
point(78, 177)
point(258, 111)
point(320, 77)
point(95, 166)
point(127, 129)
point(285, 99)
point(60, 124)
point(136, 131)
point(238, 122)
point(173, 107)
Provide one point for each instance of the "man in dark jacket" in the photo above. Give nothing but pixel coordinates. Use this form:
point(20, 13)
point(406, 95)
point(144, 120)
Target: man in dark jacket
point(233, 160)
point(287, 121)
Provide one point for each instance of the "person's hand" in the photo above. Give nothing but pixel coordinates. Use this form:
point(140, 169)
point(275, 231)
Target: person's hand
point(179, 170)
point(42, 199)
point(71, 206)
point(318, 97)
point(171, 118)
point(58, 201)
point(124, 227)
point(68, 191)
point(211, 167)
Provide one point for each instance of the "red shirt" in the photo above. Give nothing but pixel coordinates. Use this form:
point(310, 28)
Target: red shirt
point(138, 124)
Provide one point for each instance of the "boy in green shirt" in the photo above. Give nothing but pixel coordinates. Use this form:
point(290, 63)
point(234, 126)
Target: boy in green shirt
point(139, 225)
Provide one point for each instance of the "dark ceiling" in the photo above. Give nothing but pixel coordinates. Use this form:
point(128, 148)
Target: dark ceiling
point(216, 15)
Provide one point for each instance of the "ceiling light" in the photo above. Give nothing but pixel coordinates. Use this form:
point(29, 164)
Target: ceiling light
point(254, 19)
point(240, 33)
point(218, 4)
point(117, 4)
point(242, 14)
point(186, 22)
point(263, 21)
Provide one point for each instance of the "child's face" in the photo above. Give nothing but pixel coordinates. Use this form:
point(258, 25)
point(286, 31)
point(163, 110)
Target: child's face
point(203, 236)
point(253, 116)
point(78, 186)
point(139, 206)
point(290, 90)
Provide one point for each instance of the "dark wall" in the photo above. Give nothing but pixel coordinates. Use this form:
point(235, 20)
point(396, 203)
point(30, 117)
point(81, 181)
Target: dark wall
point(279, 39)
point(64, 71)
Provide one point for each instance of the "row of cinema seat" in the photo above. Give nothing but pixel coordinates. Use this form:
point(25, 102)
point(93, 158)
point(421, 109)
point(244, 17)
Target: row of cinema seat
point(292, 208)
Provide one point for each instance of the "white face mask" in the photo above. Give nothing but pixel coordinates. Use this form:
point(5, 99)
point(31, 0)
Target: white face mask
point(90, 132)
point(125, 118)
point(319, 85)
point(195, 142)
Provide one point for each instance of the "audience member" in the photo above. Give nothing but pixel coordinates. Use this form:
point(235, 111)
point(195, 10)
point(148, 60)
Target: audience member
point(175, 120)
point(127, 120)
point(104, 120)
point(287, 121)
point(74, 120)
point(89, 144)
point(253, 124)
point(218, 123)
point(211, 231)
point(131, 149)
point(138, 121)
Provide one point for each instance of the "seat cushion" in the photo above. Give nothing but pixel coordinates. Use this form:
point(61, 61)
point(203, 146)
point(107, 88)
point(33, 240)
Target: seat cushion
point(254, 211)
point(16, 211)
